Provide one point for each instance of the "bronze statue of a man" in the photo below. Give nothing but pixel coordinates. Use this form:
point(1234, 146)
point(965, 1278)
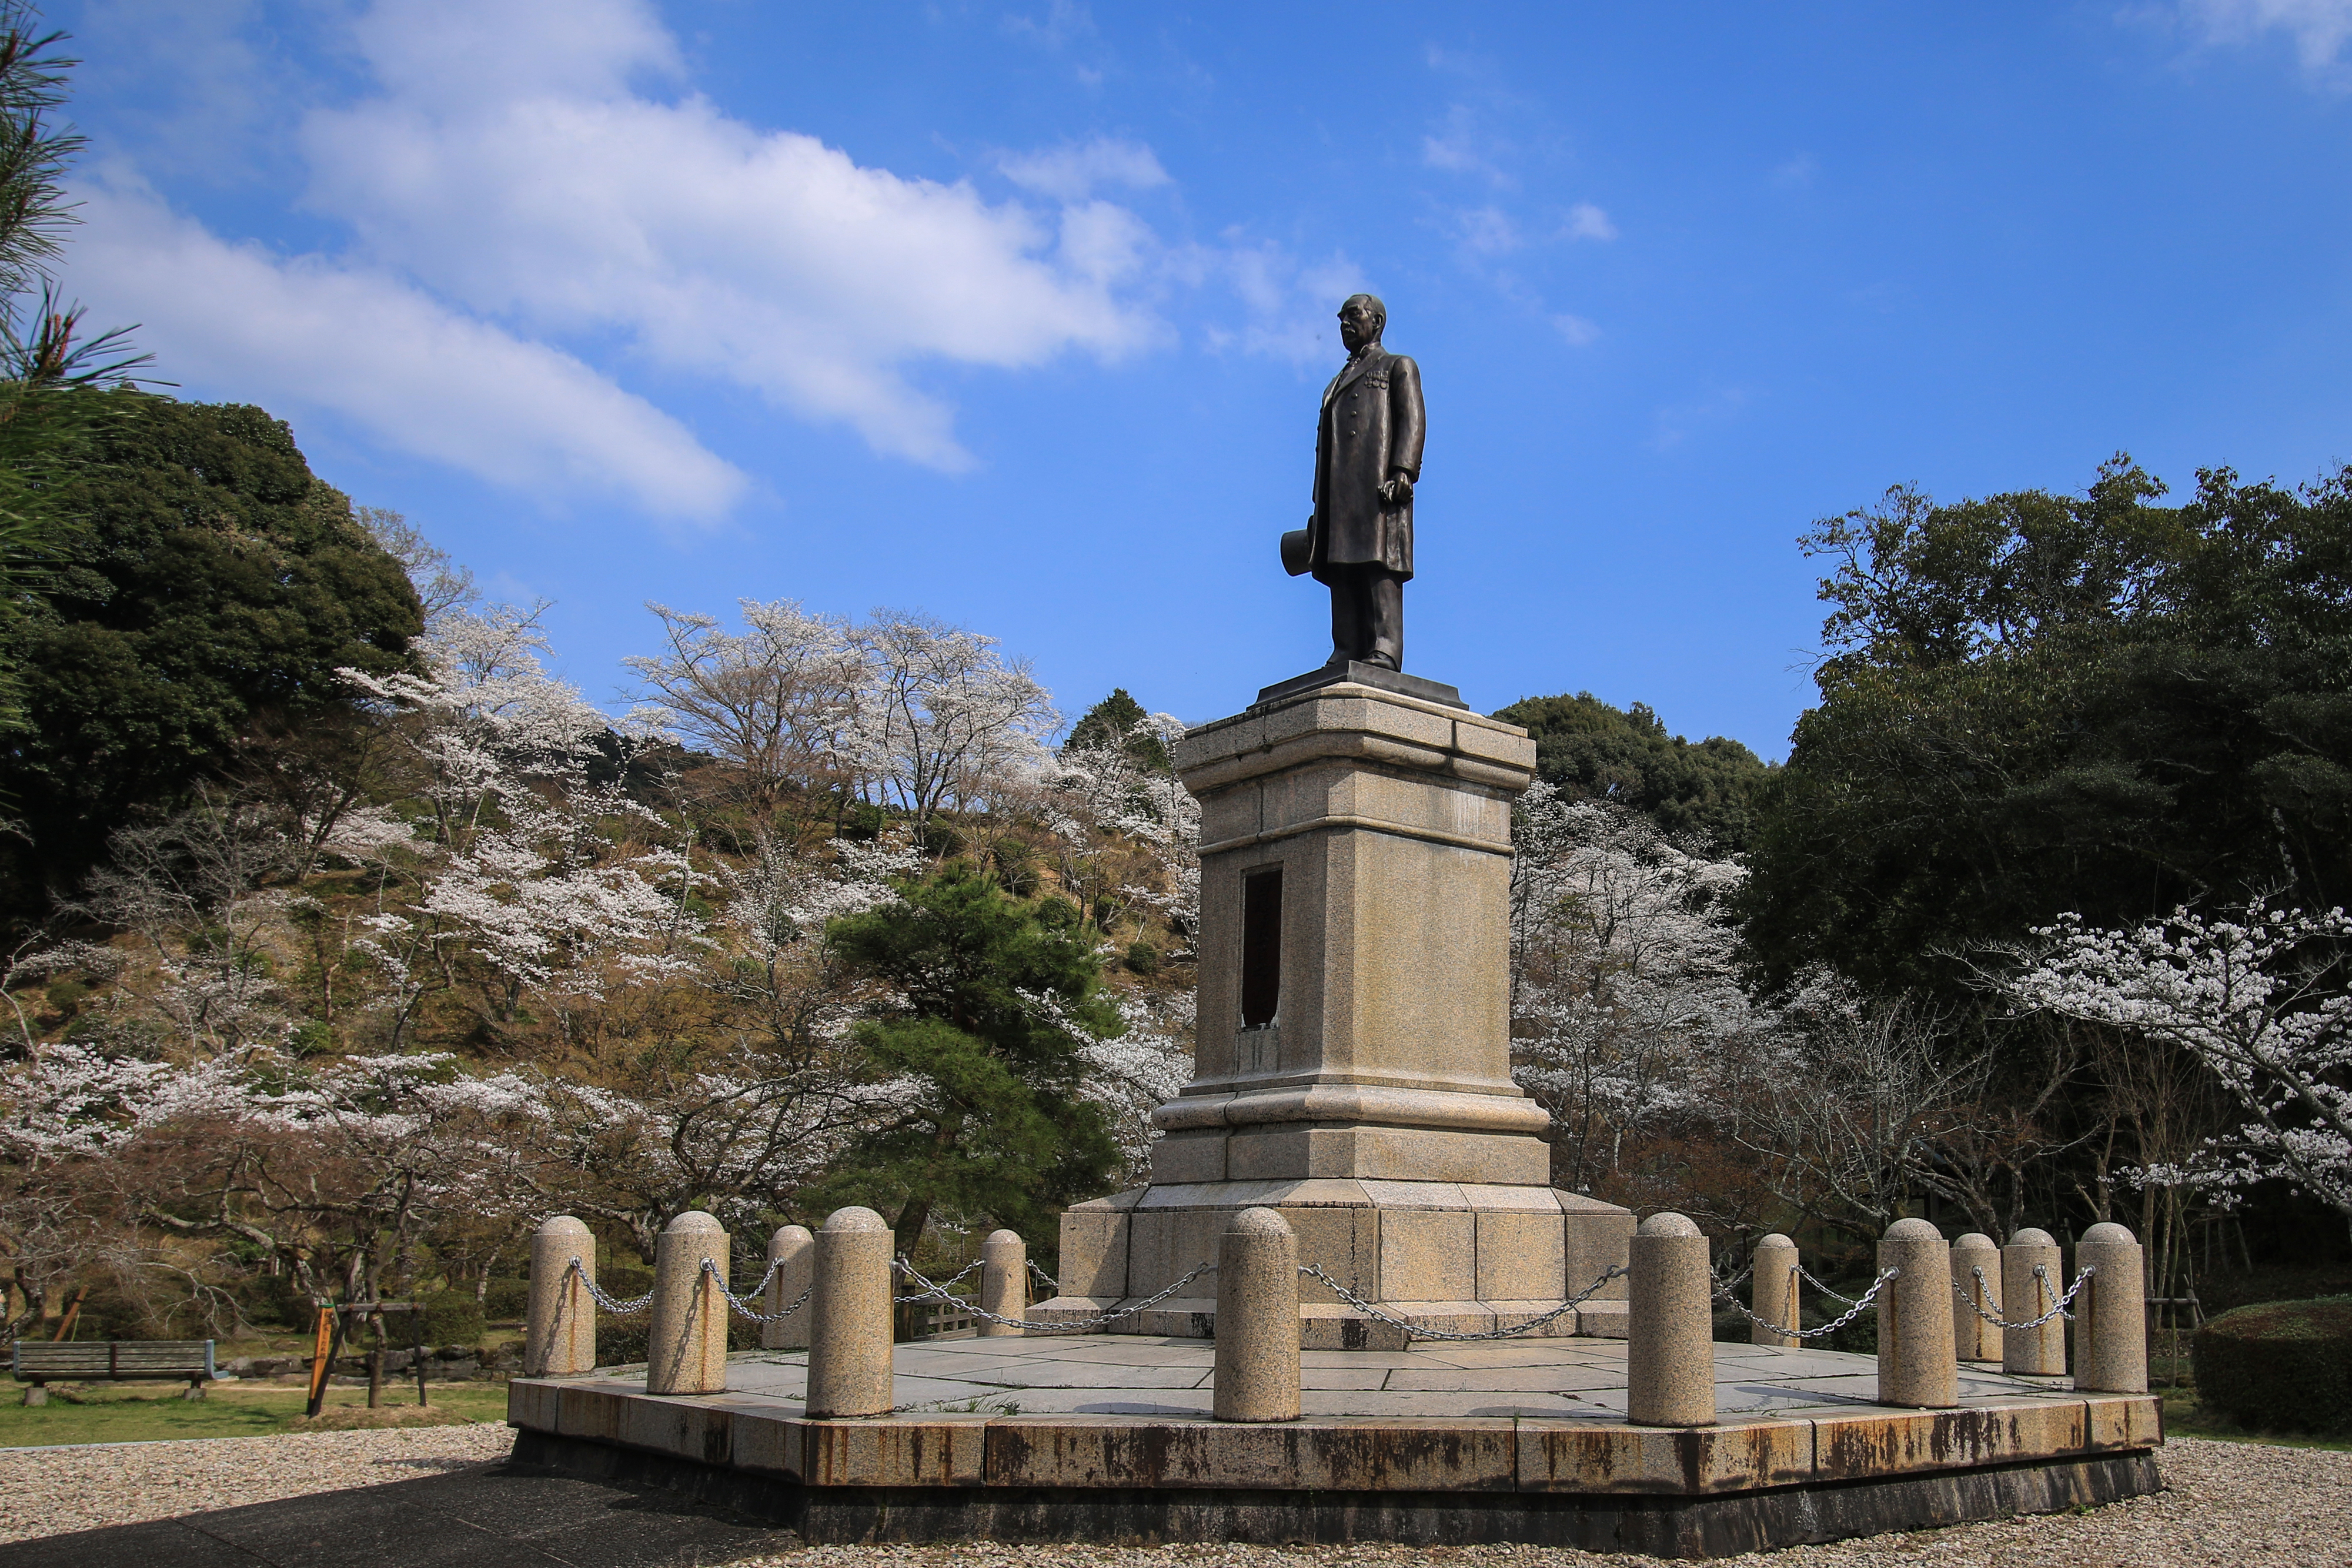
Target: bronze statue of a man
point(1367, 457)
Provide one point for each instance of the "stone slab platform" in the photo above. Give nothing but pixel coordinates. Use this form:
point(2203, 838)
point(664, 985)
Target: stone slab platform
point(1109, 1437)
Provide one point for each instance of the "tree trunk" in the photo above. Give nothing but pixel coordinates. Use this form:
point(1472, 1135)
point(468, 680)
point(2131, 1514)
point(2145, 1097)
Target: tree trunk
point(905, 1234)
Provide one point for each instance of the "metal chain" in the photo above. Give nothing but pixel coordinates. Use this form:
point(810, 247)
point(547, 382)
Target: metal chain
point(618, 1308)
point(1048, 1280)
point(908, 1269)
point(1806, 1274)
point(710, 1266)
point(1734, 1282)
point(742, 1303)
point(1420, 1331)
point(1851, 1313)
point(2041, 1276)
point(937, 1293)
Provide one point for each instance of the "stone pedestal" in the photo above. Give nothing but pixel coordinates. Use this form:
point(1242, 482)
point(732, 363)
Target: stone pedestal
point(1352, 1064)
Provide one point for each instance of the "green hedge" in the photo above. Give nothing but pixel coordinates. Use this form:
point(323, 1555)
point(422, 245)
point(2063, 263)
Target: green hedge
point(506, 1300)
point(2279, 1366)
point(453, 1317)
point(621, 1342)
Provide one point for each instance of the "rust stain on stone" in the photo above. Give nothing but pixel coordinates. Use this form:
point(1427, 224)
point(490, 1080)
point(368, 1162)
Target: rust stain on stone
point(718, 1436)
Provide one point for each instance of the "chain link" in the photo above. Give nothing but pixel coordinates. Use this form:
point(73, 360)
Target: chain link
point(956, 1277)
point(937, 1291)
point(1044, 1278)
point(1421, 1331)
point(742, 1303)
point(2040, 1278)
point(1822, 1286)
point(596, 1292)
point(1829, 1328)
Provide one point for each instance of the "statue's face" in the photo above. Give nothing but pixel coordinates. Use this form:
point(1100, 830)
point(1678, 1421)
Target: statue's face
point(1358, 325)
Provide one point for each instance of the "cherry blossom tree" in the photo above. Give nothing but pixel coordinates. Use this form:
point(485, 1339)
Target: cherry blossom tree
point(530, 888)
point(1141, 1069)
point(778, 700)
point(1623, 982)
point(193, 891)
point(336, 1168)
point(943, 716)
point(2260, 999)
point(1124, 829)
point(366, 1017)
point(1855, 1105)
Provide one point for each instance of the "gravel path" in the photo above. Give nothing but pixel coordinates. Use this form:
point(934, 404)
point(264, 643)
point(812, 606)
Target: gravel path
point(2228, 1504)
point(82, 1489)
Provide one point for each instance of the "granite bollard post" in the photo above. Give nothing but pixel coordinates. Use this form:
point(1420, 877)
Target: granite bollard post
point(1257, 1376)
point(1772, 1291)
point(1004, 1283)
point(1916, 1366)
point(792, 1263)
point(1973, 1339)
point(849, 1333)
point(686, 1344)
point(559, 1332)
point(1669, 1348)
point(2038, 1351)
point(2111, 1314)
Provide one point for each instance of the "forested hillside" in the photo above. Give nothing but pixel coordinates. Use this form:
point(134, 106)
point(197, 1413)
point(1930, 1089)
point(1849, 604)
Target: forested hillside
point(346, 941)
point(384, 941)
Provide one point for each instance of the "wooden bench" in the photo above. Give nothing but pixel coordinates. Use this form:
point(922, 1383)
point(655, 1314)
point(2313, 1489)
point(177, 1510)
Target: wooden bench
point(188, 1360)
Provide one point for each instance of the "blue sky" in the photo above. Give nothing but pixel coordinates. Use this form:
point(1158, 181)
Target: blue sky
point(1018, 312)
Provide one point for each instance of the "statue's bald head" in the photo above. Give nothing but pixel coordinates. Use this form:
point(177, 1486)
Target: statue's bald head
point(1362, 319)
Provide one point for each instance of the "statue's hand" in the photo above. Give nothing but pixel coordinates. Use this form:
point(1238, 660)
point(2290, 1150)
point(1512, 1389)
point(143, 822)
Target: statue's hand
point(1396, 491)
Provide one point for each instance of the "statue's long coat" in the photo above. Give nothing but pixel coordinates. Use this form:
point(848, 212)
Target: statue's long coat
point(1372, 428)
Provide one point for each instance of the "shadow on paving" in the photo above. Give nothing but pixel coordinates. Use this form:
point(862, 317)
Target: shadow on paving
point(495, 1516)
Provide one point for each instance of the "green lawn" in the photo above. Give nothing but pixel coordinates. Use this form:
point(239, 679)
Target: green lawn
point(138, 1412)
point(2181, 1419)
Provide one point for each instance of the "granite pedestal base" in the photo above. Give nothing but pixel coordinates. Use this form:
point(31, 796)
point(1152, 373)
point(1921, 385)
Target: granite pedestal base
point(1463, 1255)
point(1084, 1437)
point(1352, 1063)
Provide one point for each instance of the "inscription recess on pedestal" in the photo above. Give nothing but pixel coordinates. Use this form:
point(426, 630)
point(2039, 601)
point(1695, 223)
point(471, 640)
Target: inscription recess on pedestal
point(1258, 1046)
point(1353, 1064)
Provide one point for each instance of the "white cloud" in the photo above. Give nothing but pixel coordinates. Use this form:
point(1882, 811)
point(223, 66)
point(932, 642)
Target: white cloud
point(1576, 331)
point(537, 184)
point(314, 333)
point(1072, 173)
point(530, 199)
point(2319, 28)
point(1290, 307)
point(1460, 146)
point(446, 54)
point(1586, 221)
point(1488, 231)
point(1067, 30)
point(195, 81)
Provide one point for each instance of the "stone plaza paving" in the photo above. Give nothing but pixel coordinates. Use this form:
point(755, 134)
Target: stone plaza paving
point(1113, 1437)
point(1120, 1375)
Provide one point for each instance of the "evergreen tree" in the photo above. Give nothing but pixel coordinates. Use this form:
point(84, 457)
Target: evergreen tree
point(991, 1003)
point(2040, 703)
point(1703, 794)
point(45, 426)
point(210, 587)
point(1117, 723)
